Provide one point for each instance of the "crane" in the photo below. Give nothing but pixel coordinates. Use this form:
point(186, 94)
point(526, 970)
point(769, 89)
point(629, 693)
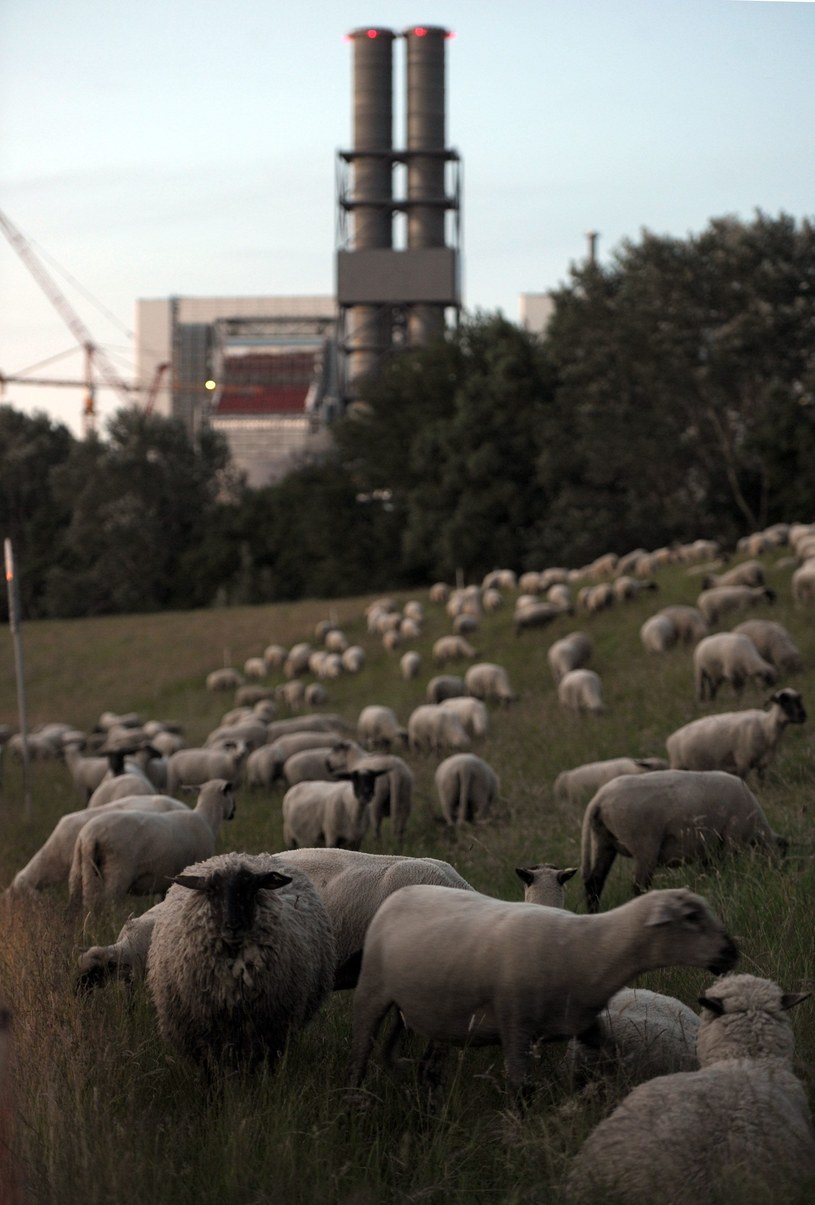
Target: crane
point(94, 356)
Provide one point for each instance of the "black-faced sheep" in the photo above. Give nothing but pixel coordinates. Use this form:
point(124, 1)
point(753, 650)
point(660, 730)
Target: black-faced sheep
point(393, 790)
point(329, 813)
point(736, 741)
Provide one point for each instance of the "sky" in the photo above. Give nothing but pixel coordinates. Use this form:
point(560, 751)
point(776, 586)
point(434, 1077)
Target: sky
point(176, 148)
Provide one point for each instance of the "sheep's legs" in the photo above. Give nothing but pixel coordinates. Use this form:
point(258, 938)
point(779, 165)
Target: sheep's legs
point(602, 863)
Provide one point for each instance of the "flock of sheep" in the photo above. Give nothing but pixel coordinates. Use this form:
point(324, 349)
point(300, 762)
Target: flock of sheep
point(241, 950)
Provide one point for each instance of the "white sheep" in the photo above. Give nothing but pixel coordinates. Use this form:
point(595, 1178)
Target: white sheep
point(378, 727)
point(581, 690)
point(444, 686)
point(314, 722)
point(665, 819)
point(466, 969)
point(581, 781)
point(545, 884)
point(309, 765)
point(739, 1128)
point(353, 659)
point(747, 573)
point(225, 679)
point(689, 622)
point(736, 741)
point(627, 588)
point(121, 853)
point(803, 583)
point(434, 728)
point(410, 665)
point(393, 791)
point(51, 864)
point(452, 648)
point(658, 634)
point(536, 614)
point(490, 682)
point(570, 652)
point(728, 657)
point(774, 643)
point(720, 600)
point(241, 958)
point(467, 787)
point(329, 813)
point(192, 767)
point(472, 713)
point(87, 772)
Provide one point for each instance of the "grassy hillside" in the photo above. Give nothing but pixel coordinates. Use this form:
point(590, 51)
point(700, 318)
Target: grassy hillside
point(105, 1113)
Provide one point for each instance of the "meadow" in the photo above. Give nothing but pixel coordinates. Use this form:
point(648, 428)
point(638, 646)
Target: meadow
point(105, 1113)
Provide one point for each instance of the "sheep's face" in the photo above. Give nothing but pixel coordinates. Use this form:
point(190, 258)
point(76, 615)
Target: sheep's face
point(691, 934)
point(232, 897)
point(791, 704)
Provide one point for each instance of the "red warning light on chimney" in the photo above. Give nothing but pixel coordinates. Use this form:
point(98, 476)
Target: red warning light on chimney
point(420, 31)
point(371, 33)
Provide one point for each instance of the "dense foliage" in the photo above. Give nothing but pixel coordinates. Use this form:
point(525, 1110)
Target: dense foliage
point(673, 395)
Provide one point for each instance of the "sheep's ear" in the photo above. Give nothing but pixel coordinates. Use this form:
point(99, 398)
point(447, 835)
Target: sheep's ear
point(664, 910)
point(563, 876)
point(790, 999)
point(195, 882)
point(712, 1004)
point(524, 875)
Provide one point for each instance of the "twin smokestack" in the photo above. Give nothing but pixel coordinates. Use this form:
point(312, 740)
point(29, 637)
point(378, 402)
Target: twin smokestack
point(389, 295)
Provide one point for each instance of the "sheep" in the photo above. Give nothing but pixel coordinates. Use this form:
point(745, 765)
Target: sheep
point(466, 969)
point(595, 599)
point(309, 765)
point(329, 813)
point(748, 573)
point(738, 1128)
point(192, 767)
point(125, 778)
point(665, 819)
point(736, 741)
point(124, 959)
point(472, 713)
point(255, 667)
point(315, 694)
point(240, 960)
point(544, 883)
point(581, 690)
point(224, 679)
point(720, 600)
point(353, 659)
point(433, 727)
point(689, 622)
point(774, 644)
point(439, 592)
point(658, 634)
point(378, 727)
point(803, 583)
point(317, 722)
point(490, 682)
point(626, 588)
point(570, 652)
point(393, 791)
point(296, 662)
point(252, 731)
point(452, 648)
point(575, 784)
point(410, 665)
point(467, 787)
point(728, 657)
point(275, 656)
point(134, 853)
point(265, 765)
point(536, 615)
point(51, 864)
point(444, 686)
point(87, 772)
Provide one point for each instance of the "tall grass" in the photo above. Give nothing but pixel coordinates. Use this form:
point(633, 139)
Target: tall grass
point(106, 1113)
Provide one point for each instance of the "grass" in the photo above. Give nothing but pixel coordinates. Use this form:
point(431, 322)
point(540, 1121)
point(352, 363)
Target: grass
point(106, 1113)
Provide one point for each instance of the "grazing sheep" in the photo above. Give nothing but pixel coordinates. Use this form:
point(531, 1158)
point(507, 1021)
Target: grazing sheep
point(728, 657)
point(297, 659)
point(581, 690)
point(410, 665)
point(317, 722)
point(393, 792)
point(378, 727)
point(748, 573)
point(264, 766)
point(329, 813)
point(241, 958)
point(544, 883)
point(452, 648)
point(470, 970)
point(193, 767)
point(736, 741)
point(721, 599)
point(444, 686)
point(472, 713)
point(665, 819)
point(309, 765)
point(739, 1128)
point(255, 667)
point(581, 781)
point(803, 583)
point(490, 682)
point(439, 592)
point(224, 679)
point(353, 659)
point(124, 959)
point(536, 615)
point(252, 732)
point(467, 787)
point(51, 864)
point(121, 853)
point(689, 622)
point(570, 652)
point(434, 728)
point(774, 644)
point(658, 634)
point(87, 772)
point(626, 588)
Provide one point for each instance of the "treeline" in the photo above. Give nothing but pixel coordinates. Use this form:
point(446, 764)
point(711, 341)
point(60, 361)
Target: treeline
point(673, 397)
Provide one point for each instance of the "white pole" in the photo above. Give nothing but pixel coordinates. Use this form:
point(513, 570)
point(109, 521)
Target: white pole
point(14, 624)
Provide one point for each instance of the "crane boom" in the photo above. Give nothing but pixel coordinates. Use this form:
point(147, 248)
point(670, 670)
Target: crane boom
point(94, 355)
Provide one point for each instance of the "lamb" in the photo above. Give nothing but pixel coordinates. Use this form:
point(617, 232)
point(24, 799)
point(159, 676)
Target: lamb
point(728, 657)
point(774, 644)
point(470, 970)
point(720, 600)
point(575, 784)
point(393, 792)
point(581, 690)
point(378, 727)
point(570, 652)
point(736, 741)
point(748, 573)
point(433, 727)
point(329, 813)
point(192, 767)
point(444, 686)
point(51, 864)
point(658, 634)
point(738, 1128)
point(240, 960)
point(467, 787)
point(689, 622)
point(490, 682)
point(135, 853)
point(665, 819)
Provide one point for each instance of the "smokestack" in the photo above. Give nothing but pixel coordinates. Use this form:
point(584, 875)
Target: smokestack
point(592, 237)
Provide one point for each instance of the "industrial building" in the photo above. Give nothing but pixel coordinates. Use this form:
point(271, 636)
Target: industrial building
point(271, 373)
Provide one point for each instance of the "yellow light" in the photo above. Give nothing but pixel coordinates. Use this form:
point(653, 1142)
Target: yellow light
point(210, 385)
